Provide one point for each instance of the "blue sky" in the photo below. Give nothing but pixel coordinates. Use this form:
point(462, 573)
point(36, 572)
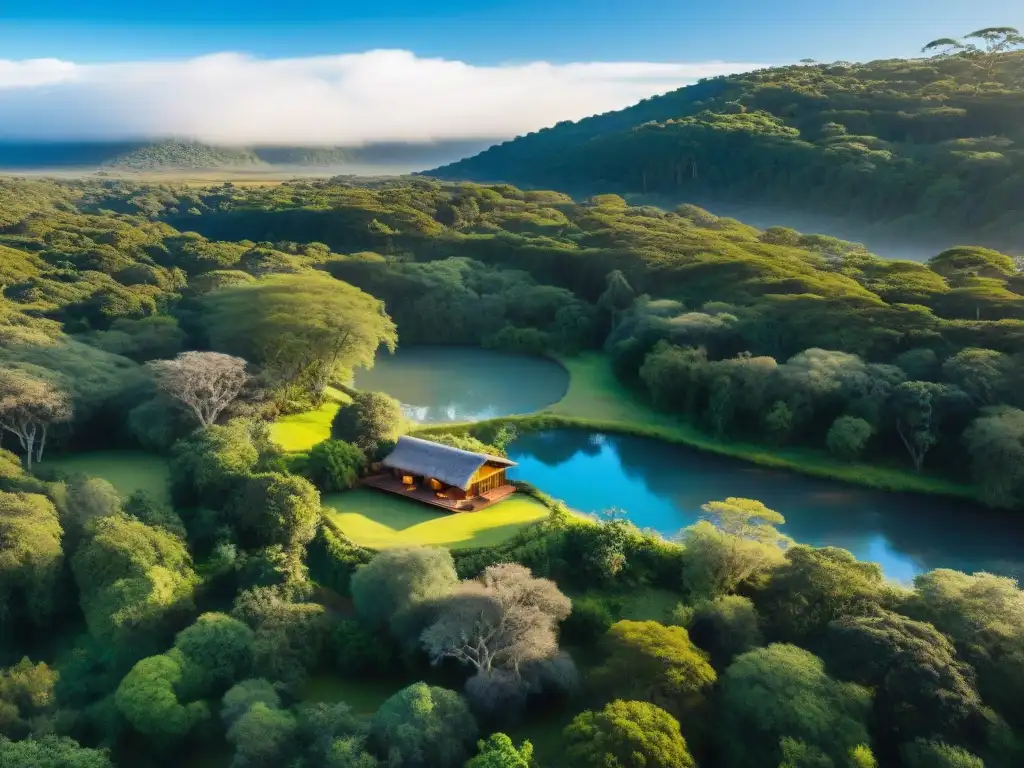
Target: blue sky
point(495, 31)
point(248, 72)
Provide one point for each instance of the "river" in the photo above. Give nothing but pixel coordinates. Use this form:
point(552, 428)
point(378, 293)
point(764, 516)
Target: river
point(662, 486)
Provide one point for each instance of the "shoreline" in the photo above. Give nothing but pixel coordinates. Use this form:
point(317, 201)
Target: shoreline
point(593, 388)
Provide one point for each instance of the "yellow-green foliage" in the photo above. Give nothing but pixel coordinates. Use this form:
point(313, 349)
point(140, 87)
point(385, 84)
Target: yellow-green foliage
point(379, 520)
point(301, 431)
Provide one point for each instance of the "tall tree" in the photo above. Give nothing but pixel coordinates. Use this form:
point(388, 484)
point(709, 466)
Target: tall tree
point(204, 382)
point(370, 419)
point(920, 686)
point(28, 408)
point(738, 542)
point(304, 329)
point(815, 586)
point(918, 409)
point(499, 751)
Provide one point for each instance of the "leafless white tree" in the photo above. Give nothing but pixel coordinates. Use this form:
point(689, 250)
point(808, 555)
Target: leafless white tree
point(204, 382)
point(28, 406)
point(501, 620)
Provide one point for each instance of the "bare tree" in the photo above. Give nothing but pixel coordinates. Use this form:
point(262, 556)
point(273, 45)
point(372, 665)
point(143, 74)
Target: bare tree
point(28, 406)
point(501, 620)
point(205, 382)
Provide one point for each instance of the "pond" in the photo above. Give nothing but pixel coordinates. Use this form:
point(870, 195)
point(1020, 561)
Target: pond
point(440, 384)
point(662, 486)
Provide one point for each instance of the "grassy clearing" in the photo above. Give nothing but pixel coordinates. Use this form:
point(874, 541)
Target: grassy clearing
point(299, 432)
point(379, 520)
point(127, 471)
point(364, 696)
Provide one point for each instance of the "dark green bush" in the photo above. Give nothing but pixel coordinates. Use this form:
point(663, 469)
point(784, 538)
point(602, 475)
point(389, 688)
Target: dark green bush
point(334, 465)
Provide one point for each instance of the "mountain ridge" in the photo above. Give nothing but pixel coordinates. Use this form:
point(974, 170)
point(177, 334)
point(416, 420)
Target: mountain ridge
point(919, 141)
point(184, 154)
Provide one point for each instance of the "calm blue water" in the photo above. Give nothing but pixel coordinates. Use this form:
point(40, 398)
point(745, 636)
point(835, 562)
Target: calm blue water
point(662, 487)
point(438, 384)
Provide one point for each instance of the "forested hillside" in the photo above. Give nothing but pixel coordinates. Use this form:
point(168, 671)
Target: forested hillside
point(921, 142)
point(193, 155)
point(223, 619)
point(183, 154)
point(773, 336)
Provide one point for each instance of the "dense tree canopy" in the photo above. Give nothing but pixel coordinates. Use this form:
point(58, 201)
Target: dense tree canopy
point(424, 726)
point(226, 617)
point(647, 661)
point(782, 691)
point(133, 579)
point(392, 588)
point(885, 139)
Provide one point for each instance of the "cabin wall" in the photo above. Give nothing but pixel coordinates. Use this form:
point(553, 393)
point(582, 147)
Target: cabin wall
point(488, 484)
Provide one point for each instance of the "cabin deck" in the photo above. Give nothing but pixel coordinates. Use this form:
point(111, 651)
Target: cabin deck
point(425, 495)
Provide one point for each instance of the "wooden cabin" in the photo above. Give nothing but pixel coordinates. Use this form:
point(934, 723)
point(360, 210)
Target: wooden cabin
point(443, 476)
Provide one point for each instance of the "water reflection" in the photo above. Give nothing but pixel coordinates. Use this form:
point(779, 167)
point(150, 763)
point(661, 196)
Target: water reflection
point(440, 384)
point(663, 486)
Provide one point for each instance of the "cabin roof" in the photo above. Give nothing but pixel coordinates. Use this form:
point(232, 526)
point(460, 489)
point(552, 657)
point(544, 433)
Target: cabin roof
point(453, 466)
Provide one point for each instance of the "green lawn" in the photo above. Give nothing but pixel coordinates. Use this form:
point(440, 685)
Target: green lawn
point(301, 431)
point(364, 696)
point(379, 520)
point(595, 393)
point(127, 471)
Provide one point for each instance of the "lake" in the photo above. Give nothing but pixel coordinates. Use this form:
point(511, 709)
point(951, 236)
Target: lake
point(439, 384)
point(662, 486)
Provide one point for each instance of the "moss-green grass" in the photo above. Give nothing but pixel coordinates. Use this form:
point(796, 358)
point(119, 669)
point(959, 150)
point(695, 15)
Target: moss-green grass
point(364, 696)
point(379, 520)
point(301, 431)
point(127, 471)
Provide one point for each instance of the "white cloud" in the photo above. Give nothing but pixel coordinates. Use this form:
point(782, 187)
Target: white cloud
point(377, 96)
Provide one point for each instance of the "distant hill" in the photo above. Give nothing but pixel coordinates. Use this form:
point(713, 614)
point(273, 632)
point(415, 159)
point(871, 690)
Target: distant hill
point(923, 141)
point(185, 155)
point(173, 154)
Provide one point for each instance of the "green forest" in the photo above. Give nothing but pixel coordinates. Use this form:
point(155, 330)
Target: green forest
point(921, 143)
point(200, 624)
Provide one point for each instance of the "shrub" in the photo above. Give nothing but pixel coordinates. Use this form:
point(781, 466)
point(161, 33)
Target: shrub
point(358, 651)
point(848, 436)
point(335, 465)
point(370, 419)
point(589, 620)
